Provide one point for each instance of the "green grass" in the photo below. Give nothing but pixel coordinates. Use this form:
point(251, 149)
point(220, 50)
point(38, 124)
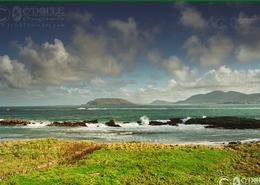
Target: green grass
point(130, 163)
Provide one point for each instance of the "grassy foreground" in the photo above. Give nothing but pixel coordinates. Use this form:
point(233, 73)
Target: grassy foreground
point(55, 161)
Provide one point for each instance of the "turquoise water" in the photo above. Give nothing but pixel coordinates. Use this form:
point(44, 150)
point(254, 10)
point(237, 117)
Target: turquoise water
point(130, 131)
point(61, 113)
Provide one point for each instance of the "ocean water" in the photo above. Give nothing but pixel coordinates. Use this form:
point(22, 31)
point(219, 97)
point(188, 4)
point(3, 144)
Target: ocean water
point(130, 131)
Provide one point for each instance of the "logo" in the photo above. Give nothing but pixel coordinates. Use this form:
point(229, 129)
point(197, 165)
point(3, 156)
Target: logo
point(17, 14)
point(236, 181)
point(222, 180)
point(4, 14)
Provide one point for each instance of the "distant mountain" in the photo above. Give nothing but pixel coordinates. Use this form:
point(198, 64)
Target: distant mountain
point(161, 102)
point(220, 97)
point(109, 102)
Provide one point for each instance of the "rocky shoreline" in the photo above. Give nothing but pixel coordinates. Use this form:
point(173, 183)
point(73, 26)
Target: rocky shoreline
point(226, 122)
point(209, 122)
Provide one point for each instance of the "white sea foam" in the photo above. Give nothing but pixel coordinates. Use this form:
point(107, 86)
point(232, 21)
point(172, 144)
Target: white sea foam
point(131, 108)
point(144, 120)
point(129, 125)
point(175, 108)
point(81, 108)
point(38, 124)
point(186, 119)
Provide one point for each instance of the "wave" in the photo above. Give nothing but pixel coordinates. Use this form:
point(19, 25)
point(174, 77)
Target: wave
point(37, 124)
point(175, 108)
point(186, 119)
point(144, 120)
point(130, 108)
point(81, 108)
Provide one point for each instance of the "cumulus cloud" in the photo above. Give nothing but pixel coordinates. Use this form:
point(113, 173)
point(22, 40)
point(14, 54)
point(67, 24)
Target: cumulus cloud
point(82, 18)
point(105, 50)
point(192, 18)
point(14, 73)
point(213, 53)
point(48, 62)
point(176, 67)
point(248, 25)
point(222, 78)
point(249, 46)
point(128, 40)
point(97, 83)
point(92, 55)
point(226, 77)
point(245, 53)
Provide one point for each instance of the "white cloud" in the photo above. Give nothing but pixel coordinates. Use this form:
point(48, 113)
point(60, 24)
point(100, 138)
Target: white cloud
point(14, 73)
point(106, 50)
point(222, 78)
point(127, 40)
point(97, 83)
point(226, 78)
point(213, 53)
point(245, 53)
point(176, 67)
point(249, 44)
point(48, 62)
point(192, 18)
point(82, 18)
point(92, 56)
point(248, 25)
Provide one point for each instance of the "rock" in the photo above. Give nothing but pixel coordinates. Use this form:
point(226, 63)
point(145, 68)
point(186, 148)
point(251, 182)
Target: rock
point(157, 123)
point(91, 121)
point(68, 124)
point(176, 120)
point(139, 121)
point(234, 142)
point(172, 122)
point(112, 123)
point(14, 122)
point(226, 122)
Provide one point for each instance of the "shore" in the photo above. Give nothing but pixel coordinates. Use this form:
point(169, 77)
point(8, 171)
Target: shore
point(56, 161)
point(224, 122)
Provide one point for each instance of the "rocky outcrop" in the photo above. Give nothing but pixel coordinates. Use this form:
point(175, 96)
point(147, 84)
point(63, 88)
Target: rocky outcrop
point(14, 122)
point(112, 123)
point(91, 121)
point(172, 122)
point(175, 120)
point(68, 124)
point(226, 122)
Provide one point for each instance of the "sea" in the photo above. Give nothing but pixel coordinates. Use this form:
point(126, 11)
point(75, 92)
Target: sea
point(127, 118)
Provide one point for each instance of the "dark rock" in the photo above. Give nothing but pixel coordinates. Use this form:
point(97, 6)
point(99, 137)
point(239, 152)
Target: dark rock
point(67, 124)
point(139, 121)
point(14, 122)
point(112, 123)
point(226, 122)
point(91, 121)
point(172, 122)
point(157, 123)
point(234, 142)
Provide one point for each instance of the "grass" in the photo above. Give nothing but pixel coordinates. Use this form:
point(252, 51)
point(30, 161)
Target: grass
point(126, 163)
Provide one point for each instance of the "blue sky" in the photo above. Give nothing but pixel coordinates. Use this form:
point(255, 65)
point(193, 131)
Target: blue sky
point(55, 54)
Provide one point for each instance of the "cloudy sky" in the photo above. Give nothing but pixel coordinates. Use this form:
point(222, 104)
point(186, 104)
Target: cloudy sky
point(56, 54)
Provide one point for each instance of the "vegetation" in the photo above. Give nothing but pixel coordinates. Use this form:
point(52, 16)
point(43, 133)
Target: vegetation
point(83, 162)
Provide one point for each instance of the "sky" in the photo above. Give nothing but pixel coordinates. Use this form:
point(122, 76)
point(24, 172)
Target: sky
point(68, 54)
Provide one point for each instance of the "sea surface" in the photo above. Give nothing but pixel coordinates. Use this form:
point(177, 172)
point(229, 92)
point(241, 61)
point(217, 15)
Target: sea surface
point(127, 118)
